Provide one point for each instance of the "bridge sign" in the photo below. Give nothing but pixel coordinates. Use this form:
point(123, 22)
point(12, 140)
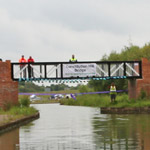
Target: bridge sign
point(79, 70)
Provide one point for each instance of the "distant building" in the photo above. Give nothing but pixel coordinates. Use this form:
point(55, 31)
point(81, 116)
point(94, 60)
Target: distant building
point(67, 88)
point(47, 89)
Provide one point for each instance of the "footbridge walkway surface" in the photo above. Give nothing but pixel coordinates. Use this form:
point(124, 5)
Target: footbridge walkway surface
point(86, 70)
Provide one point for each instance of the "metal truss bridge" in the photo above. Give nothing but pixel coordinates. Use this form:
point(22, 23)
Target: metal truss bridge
point(97, 70)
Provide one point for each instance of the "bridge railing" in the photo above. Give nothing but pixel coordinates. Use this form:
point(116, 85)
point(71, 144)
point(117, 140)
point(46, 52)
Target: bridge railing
point(77, 70)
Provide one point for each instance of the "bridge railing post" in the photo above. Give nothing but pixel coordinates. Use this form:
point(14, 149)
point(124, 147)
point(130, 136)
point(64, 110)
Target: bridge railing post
point(61, 71)
point(45, 71)
point(29, 71)
point(124, 71)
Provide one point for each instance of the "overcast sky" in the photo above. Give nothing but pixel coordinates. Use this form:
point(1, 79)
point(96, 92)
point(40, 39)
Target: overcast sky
point(53, 30)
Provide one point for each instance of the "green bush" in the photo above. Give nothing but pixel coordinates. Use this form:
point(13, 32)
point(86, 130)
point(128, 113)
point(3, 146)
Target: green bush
point(24, 101)
point(83, 89)
point(142, 94)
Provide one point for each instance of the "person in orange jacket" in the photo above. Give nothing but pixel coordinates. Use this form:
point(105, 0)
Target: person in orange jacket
point(31, 60)
point(22, 59)
point(22, 69)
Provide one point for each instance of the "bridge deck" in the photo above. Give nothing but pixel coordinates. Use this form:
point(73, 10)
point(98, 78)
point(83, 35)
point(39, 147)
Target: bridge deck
point(78, 70)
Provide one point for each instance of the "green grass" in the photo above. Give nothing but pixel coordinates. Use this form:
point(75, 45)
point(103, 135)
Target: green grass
point(15, 113)
point(44, 101)
point(26, 111)
point(44, 98)
point(87, 100)
point(104, 101)
point(19, 111)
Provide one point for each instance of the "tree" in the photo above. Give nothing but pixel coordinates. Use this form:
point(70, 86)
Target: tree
point(132, 52)
point(30, 87)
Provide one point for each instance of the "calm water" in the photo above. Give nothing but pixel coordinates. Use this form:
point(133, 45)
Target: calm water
point(83, 128)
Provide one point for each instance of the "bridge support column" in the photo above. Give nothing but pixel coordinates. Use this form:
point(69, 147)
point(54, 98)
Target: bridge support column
point(8, 88)
point(135, 86)
point(132, 88)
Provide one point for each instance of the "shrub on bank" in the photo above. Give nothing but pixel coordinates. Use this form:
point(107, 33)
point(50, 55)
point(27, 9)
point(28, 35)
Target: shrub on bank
point(104, 101)
point(24, 101)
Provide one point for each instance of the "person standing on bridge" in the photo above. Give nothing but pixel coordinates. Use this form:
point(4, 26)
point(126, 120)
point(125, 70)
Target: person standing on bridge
point(73, 59)
point(31, 60)
point(22, 60)
point(113, 92)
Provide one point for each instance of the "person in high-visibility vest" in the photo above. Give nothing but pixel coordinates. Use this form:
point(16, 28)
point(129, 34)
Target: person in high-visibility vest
point(73, 59)
point(113, 92)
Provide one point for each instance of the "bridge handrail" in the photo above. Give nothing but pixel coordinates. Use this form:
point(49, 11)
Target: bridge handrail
point(66, 62)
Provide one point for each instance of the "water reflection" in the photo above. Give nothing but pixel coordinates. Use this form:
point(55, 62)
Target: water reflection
point(122, 132)
point(80, 128)
point(59, 128)
point(10, 140)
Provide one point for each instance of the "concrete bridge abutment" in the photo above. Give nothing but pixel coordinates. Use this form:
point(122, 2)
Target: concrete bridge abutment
point(8, 87)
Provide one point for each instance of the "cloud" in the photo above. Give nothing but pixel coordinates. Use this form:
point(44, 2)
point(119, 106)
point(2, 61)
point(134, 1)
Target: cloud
point(53, 30)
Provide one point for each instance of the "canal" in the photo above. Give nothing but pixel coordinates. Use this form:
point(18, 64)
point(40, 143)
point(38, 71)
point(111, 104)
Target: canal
point(79, 128)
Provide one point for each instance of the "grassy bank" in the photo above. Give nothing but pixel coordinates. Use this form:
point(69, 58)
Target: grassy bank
point(44, 101)
point(15, 113)
point(46, 98)
point(12, 113)
point(104, 101)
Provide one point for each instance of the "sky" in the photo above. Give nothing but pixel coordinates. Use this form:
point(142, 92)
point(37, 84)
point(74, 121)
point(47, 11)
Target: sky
point(53, 30)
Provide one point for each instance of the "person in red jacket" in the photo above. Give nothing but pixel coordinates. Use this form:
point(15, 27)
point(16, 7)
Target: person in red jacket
point(31, 60)
point(22, 66)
